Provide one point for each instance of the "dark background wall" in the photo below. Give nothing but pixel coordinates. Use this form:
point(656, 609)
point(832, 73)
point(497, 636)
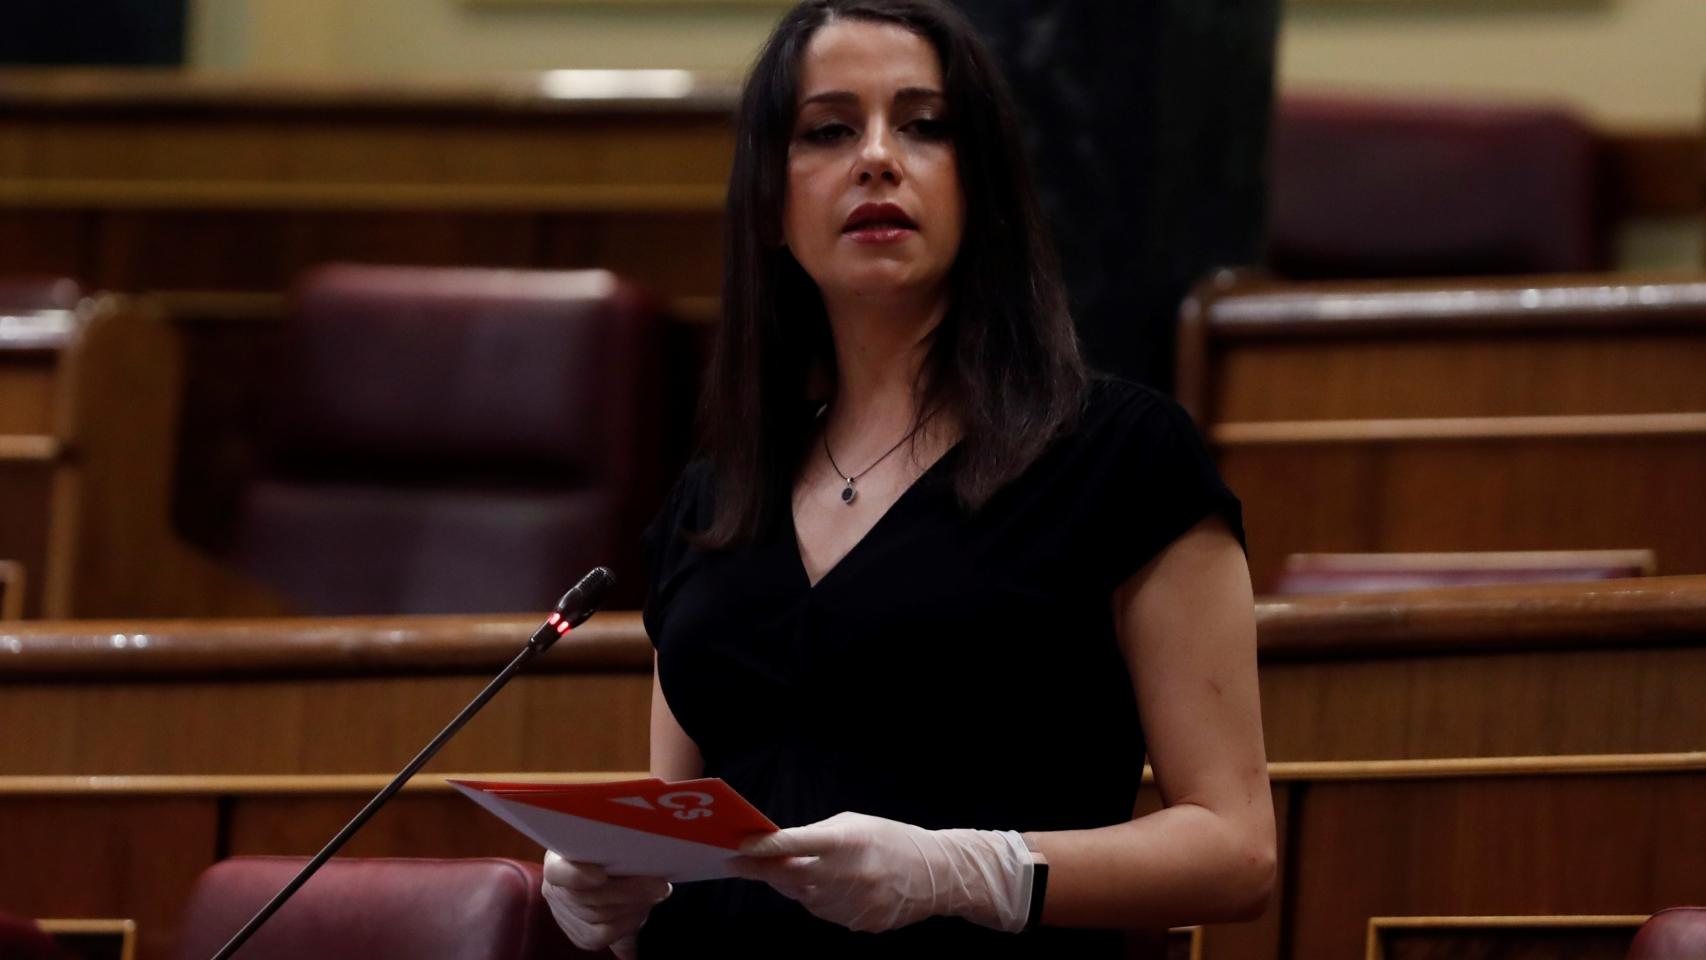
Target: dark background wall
point(92, 32)
point(1147, 124)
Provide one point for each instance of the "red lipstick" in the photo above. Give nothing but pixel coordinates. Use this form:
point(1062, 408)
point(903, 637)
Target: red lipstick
point(878, 223)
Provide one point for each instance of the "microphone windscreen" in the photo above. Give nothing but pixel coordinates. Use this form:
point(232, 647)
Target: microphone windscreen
point(585, 597)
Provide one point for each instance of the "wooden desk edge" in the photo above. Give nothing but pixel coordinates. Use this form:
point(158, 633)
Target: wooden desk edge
point(1644, 611)
point(1288, 772)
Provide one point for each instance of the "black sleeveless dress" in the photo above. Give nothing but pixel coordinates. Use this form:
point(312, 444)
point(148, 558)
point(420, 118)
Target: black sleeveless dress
point(949, 671)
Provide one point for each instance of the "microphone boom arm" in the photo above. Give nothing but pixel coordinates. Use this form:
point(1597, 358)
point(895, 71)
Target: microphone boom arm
point(572, 610)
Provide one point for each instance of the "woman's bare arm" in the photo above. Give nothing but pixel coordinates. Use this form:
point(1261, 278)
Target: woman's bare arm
point(1186, 625)
point(674, 755)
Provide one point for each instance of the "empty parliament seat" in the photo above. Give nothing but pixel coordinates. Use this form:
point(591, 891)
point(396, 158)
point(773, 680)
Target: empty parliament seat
point(1394, 188)
point(456, 440)
point(358, 909)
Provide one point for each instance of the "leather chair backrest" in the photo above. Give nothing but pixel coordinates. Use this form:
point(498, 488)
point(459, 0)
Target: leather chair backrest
point(360, 909)
point(1389, 188)
point(1675, 934)
point(457, 440)
point(23, 939)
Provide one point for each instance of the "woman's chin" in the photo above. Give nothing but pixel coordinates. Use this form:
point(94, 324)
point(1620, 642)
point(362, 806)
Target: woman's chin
point(898, 281)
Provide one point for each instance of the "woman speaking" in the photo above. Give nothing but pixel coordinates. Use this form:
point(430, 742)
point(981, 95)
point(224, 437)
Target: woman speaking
point(934, 591)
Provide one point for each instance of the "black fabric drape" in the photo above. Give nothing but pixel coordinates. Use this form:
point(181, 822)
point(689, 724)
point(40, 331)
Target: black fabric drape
point(1146, 122)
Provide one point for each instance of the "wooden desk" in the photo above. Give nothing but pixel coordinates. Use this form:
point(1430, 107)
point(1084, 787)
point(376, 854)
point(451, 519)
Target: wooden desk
point(168, 180)
point(1560, 413)
point(1579, 668)
point(1515, 836)
point(264, 736)
point(317, 696)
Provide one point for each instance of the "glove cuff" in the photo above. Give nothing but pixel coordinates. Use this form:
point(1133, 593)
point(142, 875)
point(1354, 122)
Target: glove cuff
point(996, 872)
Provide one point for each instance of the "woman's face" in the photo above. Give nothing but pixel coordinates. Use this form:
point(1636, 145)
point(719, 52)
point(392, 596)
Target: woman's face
point(873, 203)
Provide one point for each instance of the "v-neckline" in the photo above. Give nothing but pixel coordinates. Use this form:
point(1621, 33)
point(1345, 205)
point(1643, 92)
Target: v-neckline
point(794, 527)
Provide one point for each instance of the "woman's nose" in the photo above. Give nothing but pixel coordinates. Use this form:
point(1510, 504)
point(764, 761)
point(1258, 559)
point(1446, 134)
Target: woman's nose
point(877, 157)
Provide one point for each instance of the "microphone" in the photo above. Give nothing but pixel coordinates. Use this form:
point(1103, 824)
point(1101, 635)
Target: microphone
point(576, 606)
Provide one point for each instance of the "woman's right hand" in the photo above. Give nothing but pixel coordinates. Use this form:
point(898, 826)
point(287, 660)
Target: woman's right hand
point(597, 910)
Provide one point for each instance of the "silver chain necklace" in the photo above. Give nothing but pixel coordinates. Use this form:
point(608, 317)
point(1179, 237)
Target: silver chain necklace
point(849, 492)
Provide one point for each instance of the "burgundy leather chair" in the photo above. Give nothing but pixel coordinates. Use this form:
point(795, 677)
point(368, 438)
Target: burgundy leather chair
point(475, 909)
point(1393, 188)
point(457, 440)
point(1675, 934)
point(1312, 573)
point(23, 939)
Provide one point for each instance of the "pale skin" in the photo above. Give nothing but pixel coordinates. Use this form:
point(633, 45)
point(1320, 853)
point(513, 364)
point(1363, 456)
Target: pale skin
point(1185, 623)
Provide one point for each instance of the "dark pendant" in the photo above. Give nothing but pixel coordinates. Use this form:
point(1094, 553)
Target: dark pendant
point(848, 493)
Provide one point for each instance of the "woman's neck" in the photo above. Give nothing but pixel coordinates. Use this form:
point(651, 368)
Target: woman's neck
point(880, 347)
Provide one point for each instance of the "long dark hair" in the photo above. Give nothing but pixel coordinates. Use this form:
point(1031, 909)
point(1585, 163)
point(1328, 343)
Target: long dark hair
point(1004, 358)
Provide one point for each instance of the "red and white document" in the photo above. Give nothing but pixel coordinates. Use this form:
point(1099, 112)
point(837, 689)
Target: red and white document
point(688, 830)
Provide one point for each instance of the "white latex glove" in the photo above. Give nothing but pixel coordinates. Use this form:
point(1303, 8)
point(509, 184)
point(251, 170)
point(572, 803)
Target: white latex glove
point(871, 874)
point(597, 910)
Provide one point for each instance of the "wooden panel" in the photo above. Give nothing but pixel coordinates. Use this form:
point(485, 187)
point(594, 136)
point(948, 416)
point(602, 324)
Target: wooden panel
point(264, 649)
point(1527, 703)
point(1185, 943)
point(1541, 494)
point(1501, 938)
point(12, 585)
point(354, 725)
point(414, 824)
point(1535, 669)
point(1655, 173)
point(1480, 376)
point(1523, 413)
point(669, 254)
point(132, 856)
point(1587, 836)
point(51, 242)
point(25, 493)
point(93, 939)
point(27, 392)
point(678, 146)
point(1624, 844)
point(260, 250)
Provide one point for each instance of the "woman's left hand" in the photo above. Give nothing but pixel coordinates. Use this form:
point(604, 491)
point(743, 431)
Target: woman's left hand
point(871, 874)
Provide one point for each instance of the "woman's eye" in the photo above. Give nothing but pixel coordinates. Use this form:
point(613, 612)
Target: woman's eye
point(930, 129)
point(827, 133)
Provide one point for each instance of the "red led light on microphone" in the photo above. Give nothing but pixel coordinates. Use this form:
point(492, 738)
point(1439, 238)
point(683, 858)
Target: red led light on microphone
point(553, 618)
point(562, 628)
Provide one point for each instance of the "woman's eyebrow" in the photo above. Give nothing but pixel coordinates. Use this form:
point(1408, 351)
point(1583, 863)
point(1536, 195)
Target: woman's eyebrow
point(903, 95)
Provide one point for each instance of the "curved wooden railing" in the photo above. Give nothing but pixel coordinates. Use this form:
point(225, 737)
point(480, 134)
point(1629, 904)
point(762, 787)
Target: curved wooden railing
point(1613, 613)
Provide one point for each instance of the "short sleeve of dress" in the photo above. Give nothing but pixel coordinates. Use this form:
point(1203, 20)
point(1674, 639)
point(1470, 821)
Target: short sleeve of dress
point(1149, 479)
point(664, 545)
